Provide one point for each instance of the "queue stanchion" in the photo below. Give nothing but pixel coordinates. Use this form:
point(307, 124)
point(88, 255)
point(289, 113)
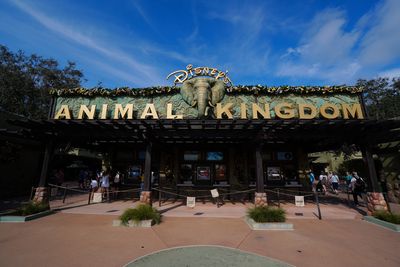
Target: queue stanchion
point(317, 201)
point(159, 198)
point(90, 196)
point(277, 194)
point(65, 192)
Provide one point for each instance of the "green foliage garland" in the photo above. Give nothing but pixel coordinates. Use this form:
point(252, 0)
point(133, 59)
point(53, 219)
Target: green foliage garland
point(240, 89)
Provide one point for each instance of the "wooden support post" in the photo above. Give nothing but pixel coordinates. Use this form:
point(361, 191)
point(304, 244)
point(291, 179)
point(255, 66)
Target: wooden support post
point(145, 195)
point(259, 171)
point(147, 168)
point(45, 165)
point(369, 162)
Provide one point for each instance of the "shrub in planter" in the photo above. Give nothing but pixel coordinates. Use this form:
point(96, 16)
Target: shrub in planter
point(387, 216)
point(33, 208)
point(141, 213)
point(266, 214)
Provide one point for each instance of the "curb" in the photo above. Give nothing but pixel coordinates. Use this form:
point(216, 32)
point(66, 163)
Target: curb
point(269, 226)
point(388, 225)
point(15, 218)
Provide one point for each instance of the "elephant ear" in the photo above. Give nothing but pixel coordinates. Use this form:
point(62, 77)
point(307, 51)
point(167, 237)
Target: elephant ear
point(187, 92)
point(217, 91)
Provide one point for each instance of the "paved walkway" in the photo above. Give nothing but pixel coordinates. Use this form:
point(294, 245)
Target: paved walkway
point(66, 239)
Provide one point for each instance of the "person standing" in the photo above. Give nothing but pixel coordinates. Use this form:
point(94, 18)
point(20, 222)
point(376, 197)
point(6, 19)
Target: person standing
point(94, 185)
point(116, 184)
point(323, 179)
point(105, 184)
point(311, 177)
point(348, 178)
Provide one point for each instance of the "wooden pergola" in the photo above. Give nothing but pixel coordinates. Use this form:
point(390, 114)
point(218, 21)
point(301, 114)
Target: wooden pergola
point(313, 135)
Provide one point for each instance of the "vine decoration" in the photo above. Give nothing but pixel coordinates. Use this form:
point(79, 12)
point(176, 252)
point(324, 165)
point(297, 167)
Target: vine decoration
point(233, 90)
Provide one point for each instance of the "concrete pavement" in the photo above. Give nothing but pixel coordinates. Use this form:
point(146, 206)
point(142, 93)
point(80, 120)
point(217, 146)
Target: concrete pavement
point(66, 239)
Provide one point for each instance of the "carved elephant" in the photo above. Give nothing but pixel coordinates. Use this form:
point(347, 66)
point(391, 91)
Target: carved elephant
point(203, 93)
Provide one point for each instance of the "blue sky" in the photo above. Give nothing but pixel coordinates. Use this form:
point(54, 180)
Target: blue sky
point(138, 43)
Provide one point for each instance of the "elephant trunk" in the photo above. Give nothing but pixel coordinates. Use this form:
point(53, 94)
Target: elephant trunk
point(202, 100)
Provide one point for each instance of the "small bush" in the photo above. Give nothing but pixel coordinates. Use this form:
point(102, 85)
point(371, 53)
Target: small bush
point(32, 208)
point(267, 214)
point(387, 216)
point(140, 213)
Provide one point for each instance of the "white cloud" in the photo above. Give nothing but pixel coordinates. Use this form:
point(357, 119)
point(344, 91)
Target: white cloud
point(381, 44)
point(331, 52)
point(324, 51)
point(142, 70)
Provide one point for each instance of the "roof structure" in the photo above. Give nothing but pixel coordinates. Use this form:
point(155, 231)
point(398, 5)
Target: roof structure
point(317, 135)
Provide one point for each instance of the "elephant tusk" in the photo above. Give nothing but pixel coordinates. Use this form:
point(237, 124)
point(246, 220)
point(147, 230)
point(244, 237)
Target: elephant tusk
point(194, 103)
point(209, 102)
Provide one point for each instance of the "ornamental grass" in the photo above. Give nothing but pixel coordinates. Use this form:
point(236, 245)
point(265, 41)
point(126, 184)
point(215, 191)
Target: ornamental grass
point(141, 213)
point(387, 216)
point(265, 214)
point(33, 208)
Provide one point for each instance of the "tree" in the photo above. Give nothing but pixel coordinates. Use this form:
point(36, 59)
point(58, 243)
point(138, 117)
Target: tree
point(25, 82)
point(382, 97)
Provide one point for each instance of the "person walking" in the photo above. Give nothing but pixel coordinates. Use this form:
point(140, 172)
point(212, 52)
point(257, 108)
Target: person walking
point(335, 182)
point(357, 185)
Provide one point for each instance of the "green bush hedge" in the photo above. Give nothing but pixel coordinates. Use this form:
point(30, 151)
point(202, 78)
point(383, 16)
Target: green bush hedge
point(140, 213)
point(32, 208)
point(267, 214)
point(387, 216)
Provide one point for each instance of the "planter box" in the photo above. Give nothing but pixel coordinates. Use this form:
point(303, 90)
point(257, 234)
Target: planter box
point(391, 226)
point(144, 223)
point(17, 218)
point(268, 226)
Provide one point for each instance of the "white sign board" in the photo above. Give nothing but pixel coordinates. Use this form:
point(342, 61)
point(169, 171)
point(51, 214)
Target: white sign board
point(97, 197)
point(214, 193)
point(190, 202)
point(299, 201)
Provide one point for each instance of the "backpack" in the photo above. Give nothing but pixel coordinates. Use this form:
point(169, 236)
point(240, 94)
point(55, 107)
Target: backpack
point(360, 184)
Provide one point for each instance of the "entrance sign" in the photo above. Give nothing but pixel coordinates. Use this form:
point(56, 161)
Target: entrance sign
point(190, 202)
point(299, 201)
point(220, 111)
point(213, 97)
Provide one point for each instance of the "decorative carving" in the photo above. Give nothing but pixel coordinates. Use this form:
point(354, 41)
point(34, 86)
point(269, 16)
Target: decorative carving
point(203, 93)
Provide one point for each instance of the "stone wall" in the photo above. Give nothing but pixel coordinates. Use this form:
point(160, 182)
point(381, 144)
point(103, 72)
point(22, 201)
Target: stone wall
point(375, 202)
point(260, 199)
point(145, 197)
